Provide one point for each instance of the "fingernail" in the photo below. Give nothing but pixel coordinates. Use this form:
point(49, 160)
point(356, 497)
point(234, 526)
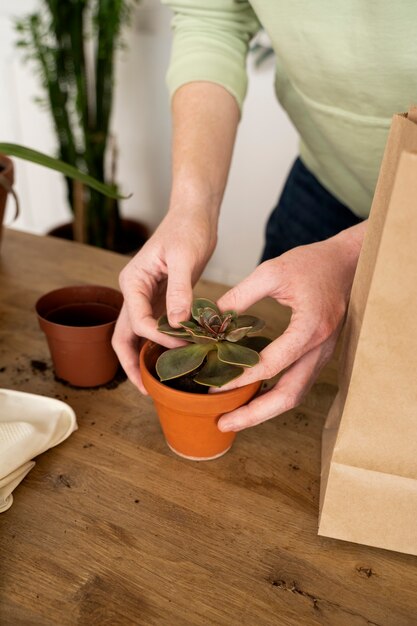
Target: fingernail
point(226, 426)
point(178, 314)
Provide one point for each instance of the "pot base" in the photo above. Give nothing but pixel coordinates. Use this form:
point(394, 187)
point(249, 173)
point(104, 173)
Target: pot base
point(198, 458)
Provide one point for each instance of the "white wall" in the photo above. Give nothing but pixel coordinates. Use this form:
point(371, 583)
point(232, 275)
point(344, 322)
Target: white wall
point(41, 192)
point(265, 147)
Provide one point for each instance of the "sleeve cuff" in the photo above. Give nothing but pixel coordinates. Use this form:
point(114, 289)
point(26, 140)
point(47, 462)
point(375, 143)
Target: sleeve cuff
point(212, 67)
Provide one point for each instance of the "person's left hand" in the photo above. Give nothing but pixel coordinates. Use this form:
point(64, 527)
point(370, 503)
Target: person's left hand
point(315, 282)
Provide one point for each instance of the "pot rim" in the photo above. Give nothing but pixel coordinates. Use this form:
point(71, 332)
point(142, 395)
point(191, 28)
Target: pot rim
point(208, 397)
point(43, 315)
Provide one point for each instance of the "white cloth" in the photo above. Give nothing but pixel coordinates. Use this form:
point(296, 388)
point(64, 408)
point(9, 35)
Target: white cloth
point(29, 425)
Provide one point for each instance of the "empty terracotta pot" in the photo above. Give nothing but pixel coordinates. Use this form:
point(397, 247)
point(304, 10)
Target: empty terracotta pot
point(78, 323)
point(189, 420)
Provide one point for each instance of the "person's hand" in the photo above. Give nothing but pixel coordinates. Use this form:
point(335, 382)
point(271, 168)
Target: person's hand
point(315, 282)
point(160, 277)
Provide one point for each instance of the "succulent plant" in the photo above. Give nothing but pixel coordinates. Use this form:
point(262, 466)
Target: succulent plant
point(221, 345)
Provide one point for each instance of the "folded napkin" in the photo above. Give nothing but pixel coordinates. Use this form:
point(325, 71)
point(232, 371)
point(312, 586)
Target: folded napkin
point(29, 425)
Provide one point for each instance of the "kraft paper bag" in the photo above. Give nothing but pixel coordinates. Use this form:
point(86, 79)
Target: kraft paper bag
point(368, 491)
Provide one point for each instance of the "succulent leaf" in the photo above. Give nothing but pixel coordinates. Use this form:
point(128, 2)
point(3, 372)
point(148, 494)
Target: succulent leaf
point(238, 333)
point(200, 304)
point(255, 343)
point(164, 327)
point(196, 333)
point(251, 321)
point(211, 320)
point(189, 325)
point(215, 373)
point(174, 332)
point(221, 344)
point(232, 313)
point(179, 361)
point(236, 354)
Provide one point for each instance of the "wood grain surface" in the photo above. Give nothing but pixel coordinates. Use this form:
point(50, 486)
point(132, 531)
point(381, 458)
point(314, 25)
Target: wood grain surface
point(111, 528)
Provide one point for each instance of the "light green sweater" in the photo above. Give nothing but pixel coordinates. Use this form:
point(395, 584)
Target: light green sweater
point(343, 68)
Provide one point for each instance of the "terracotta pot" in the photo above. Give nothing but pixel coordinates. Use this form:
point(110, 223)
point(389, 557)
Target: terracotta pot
point(78, 323)
point(6, 169)
point(189, 420)
point(132, 235)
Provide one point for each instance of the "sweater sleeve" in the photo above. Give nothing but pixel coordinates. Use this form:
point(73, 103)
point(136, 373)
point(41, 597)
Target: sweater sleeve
point(211, 41)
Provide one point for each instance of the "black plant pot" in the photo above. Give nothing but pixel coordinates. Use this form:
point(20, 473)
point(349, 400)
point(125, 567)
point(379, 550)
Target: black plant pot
point(130, 238)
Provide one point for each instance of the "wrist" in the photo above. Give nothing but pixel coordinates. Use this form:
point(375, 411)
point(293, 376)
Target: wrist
point(349, 242)
point(194, 214)
point(189, 196)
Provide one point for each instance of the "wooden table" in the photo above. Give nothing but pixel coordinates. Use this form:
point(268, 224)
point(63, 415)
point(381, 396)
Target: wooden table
point(111, 528)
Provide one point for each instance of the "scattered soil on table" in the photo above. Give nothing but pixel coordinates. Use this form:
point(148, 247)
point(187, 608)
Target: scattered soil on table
point(117, 380)
point(293, 466)
point(38, 366)
point(365, 571)
point(26, 368)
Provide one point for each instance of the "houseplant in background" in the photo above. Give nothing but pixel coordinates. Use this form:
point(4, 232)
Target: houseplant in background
point(33, 156)
point(73, 46)
point(220, 346)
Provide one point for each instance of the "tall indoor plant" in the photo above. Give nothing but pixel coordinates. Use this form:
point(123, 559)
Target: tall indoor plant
point(73, 45)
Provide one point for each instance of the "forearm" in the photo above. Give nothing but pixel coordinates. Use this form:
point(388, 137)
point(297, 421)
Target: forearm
point(205, 119)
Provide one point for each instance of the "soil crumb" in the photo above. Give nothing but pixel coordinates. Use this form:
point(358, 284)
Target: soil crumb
point(38, 366)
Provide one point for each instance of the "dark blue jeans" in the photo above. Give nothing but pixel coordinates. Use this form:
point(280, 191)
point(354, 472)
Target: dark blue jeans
point(306, 212)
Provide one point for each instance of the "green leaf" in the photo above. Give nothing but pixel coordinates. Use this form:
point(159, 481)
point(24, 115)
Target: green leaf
point(174, 332)
point(21, 152)
point(179, 361)
point(203, 303)
point(215, 373)
point(164, 327)
point(257, 343)
point(198, 334)
point(232, 313)
point(237, 354)
point(237, 333)
point(253, 322)
point(191, 326)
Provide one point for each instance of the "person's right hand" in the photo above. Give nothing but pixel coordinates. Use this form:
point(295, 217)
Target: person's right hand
point(161, 277)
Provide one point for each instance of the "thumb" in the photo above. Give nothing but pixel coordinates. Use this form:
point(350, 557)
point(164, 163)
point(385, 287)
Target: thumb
point(250, 290)
point(179, 292)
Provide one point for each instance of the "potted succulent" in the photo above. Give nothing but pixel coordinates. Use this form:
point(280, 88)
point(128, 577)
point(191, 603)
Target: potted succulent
point(219, 347)
point(72, 45)
point(7, 174)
